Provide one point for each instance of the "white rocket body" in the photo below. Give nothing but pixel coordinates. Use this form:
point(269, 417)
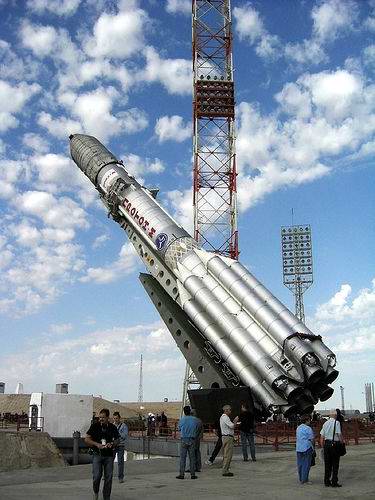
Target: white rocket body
point(264, 344)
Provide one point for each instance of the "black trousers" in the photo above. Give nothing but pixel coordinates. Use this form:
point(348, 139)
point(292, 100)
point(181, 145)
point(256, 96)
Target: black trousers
point(331, 464)
point(218, 446)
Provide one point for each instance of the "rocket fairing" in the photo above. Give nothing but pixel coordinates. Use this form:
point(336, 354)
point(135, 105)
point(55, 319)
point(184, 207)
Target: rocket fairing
point(258, 339)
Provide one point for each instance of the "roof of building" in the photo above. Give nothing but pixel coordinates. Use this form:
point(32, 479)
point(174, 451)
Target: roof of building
point(171, 408)
point(18, 403)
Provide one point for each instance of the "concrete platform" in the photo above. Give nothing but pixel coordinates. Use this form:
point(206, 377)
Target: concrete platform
point(273, 476)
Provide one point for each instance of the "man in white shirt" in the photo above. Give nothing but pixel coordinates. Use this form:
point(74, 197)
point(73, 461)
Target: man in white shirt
point(329, 435)
point(227, 431)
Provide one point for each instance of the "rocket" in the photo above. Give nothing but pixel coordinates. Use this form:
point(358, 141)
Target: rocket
point(230, 328)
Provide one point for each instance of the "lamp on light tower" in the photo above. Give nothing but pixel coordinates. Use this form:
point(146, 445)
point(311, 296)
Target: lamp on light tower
point(296, 251)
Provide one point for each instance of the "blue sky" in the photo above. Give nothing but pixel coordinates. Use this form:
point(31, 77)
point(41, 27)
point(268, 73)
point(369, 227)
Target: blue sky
point(71, 307)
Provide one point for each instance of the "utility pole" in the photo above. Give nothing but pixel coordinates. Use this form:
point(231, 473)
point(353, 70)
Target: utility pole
point(342, 399)
point(140, 388)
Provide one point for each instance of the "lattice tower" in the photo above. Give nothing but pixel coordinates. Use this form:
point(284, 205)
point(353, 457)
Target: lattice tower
point(215, 208)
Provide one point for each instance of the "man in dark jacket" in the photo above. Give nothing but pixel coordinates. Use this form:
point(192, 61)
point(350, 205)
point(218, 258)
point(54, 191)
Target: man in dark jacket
point(247, 431)
point(102, 437)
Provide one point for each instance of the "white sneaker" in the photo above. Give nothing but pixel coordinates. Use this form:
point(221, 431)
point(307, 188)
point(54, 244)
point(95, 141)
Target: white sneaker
point(208, 462)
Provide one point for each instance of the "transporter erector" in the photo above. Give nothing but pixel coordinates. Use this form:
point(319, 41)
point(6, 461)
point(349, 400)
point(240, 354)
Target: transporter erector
point(232, 330)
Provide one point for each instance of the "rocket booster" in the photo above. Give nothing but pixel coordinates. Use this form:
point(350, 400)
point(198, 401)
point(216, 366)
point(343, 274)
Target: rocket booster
point(268, 348)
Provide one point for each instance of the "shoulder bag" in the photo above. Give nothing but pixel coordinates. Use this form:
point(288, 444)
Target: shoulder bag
point(339, 446)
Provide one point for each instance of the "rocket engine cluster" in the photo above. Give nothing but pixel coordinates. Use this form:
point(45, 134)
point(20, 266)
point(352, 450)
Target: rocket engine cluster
point(262, 344)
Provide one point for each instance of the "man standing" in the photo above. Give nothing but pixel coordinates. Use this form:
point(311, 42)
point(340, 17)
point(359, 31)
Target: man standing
point(329, 435)
point(103, 437)
point(189, 428)
point(123, 431)
point(227, 431)
point(247, 431)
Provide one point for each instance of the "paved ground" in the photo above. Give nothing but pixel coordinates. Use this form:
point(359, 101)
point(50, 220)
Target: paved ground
point(273, 476)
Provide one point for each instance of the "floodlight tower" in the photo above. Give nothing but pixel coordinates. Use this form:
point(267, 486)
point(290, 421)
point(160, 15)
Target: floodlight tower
point(215, 208)
point(296, 250)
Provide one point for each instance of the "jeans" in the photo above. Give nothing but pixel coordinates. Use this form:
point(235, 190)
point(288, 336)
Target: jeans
point(187, 446)
point(120, 461)
point(331, 464)
point(304, 464)
point(228, 443)
point(245, 438)
point(100, 464)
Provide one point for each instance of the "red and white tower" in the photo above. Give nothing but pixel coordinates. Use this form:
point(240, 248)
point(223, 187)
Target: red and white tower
point(215, 209)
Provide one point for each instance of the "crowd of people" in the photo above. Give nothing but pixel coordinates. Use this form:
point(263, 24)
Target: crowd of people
point(191, 432)
point(107, 440)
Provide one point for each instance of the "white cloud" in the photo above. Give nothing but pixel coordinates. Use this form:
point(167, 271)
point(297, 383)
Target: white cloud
point(60, 328)
point(100, 241)
point(250, 26)
point(35, 142)
point(328, 114)
point(59, 213)
point(94, 112)
point(12, 100)
point(40, 39)
point(332, 17)
point(58, 7)
point(112, 353)
point(138, 166)
point(127, 263)
point(348, 320)
point(182, 207)
point(178, 6)
point(369, 55)
point(172, 128)
point(60, 127)
point(15, 67)
point(174, 74)
point(118, 36)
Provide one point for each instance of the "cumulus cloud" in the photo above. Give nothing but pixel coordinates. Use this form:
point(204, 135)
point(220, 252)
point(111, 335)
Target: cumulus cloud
point(348, 320)
point(59, 213)
point(331, 20)
point(250, 26)
point(172, 128)
point(138, 166)
point(58, 7)
point(174, 74)
point(320, 116)
point(41, 40)
point(118, 36)
point(182, 207)
point(178, 6)
point(94, 112)
point(60, 127)
point(35, 142)
point(12, 101)
point(126, 263)
point(113, 352)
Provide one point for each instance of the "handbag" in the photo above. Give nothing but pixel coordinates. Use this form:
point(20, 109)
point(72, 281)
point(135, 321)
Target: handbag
point(313, 457)
point(339, 446)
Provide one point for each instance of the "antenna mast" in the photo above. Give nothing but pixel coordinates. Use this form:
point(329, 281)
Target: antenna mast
point(140, 388)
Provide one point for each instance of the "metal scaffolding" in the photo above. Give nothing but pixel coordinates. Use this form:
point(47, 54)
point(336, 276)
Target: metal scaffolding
point(296, 250)
point(215, 209)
